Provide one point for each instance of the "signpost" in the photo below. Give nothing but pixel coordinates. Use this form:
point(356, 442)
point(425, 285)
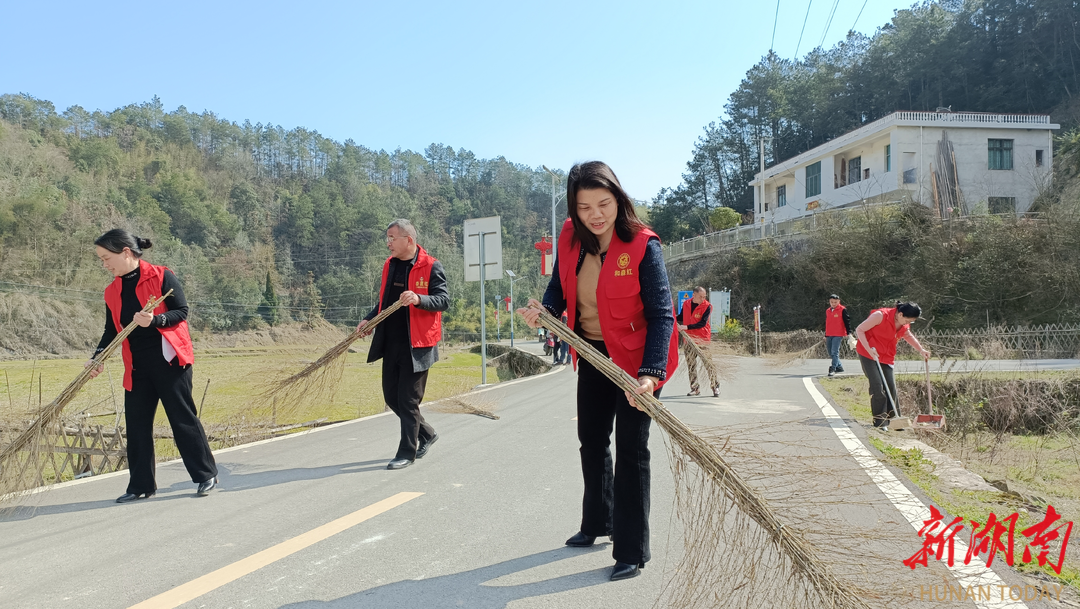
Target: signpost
point(721, 308)
point(483, 259)
point(510, 302)
point(757, 330)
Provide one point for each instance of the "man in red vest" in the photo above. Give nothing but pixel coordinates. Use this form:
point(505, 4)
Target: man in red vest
point(837, 327)
point(407, 341)
point(694, 319)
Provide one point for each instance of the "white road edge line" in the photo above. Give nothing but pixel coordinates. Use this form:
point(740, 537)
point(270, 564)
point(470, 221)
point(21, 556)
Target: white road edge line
point(974, 575)
point(124, 472)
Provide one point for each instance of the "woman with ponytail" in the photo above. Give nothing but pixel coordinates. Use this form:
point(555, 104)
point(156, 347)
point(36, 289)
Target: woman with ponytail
point(878, 336)
point(157, 363)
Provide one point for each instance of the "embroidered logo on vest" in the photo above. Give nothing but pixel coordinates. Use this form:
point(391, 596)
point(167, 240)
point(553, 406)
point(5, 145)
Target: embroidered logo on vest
point(421, 284)
point(624, 260)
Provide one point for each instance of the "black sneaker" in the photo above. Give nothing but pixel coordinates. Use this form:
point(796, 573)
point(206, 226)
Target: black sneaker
point(839, 369)
point(831, 370)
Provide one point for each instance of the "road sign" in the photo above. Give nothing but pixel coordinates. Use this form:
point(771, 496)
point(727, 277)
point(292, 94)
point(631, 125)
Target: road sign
point(491, 229)
point(684, 295)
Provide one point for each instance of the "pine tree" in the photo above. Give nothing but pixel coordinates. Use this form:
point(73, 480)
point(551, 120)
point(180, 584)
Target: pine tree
point(268, 309)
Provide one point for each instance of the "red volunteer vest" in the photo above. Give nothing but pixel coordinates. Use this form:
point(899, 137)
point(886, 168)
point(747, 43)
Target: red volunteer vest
point(702, 334)
point(149, 286)
point(884, 337)
point(834, 322)
point(425, 327)
point(618, 298)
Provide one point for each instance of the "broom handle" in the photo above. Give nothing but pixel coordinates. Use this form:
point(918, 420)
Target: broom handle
point(128, 329)
point(687, 339)
point(620, 377)
point(888, 392)
point(929, 398)
point(378, 319)
point(54, 407)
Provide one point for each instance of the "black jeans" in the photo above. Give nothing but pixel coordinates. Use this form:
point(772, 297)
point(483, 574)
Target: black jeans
point(879, 401)
point(616, 498)
point(154, 379)
point(403, 390)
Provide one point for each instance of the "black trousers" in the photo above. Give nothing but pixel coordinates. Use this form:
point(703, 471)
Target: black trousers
point(403, 390)
point(616, 498)
point(879, 400)
point(154, 379)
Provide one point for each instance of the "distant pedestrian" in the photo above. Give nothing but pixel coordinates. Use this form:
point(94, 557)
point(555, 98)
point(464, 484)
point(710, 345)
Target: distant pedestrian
point(837, 327)
point(878, 336)
point(564, 347)
point(556, 348)
point(694, 320)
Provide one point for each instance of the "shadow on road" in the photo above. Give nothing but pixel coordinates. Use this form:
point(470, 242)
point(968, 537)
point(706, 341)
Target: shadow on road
point(238, 481)
point(229, 482)
point(467, 589)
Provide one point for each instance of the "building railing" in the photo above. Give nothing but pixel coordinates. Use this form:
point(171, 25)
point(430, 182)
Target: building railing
point(973, 117)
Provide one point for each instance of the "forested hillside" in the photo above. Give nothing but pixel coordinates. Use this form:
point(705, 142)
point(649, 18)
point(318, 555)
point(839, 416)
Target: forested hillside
point(232, 207)
point(970, 55)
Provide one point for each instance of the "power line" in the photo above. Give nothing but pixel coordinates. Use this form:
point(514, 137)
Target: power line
point(828, 24)
point(859, 15)
point(775, 18)
point(808, 5)
point(28, 288)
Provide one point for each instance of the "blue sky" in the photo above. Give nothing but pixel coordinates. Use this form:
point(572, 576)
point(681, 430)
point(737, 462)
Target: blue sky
point(630, 83)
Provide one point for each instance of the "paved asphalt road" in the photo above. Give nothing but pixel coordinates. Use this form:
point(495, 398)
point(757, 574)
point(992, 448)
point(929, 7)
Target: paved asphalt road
point(315, 521)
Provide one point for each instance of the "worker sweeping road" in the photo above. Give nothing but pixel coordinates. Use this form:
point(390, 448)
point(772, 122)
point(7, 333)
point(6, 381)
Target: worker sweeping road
point(408, 340)
point(610, 278)
point(694, 320)
point(157, 363)
point(878, 336)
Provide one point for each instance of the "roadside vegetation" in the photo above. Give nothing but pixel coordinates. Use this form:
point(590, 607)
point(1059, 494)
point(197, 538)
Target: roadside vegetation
point(1019, 431)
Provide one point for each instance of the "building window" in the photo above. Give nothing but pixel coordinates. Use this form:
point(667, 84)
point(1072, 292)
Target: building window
point(854, 170)
point(1001, 205)
point(781, 196)
point(888, 158)
point(1000, 154)
point(813, 180)
point(1038, 158)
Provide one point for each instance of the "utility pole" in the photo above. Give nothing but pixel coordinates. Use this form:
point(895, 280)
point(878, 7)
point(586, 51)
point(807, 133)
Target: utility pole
point(554, 235)
point(761, 157)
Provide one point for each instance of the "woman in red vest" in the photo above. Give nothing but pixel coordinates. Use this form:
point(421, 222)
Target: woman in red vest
point(157, 363)
point(878, 336)
point(610, 278)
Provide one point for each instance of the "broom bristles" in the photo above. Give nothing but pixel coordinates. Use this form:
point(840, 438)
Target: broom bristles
point(795, 552)
point(30, 439)
point(718, 366)
point(321, 377)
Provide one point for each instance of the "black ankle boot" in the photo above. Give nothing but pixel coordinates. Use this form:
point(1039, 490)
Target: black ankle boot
point(581, 540)
point(624, 570)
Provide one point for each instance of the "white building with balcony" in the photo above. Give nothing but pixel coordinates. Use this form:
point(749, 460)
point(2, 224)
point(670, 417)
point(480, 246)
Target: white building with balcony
point(952, 162)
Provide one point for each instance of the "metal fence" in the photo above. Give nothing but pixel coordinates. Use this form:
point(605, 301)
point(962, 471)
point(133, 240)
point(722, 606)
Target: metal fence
point(998, 342)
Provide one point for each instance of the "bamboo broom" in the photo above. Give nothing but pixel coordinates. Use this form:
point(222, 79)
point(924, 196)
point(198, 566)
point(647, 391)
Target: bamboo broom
point(322, 375)
point(30, 439)
point(714, 370)
point(815, 578)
